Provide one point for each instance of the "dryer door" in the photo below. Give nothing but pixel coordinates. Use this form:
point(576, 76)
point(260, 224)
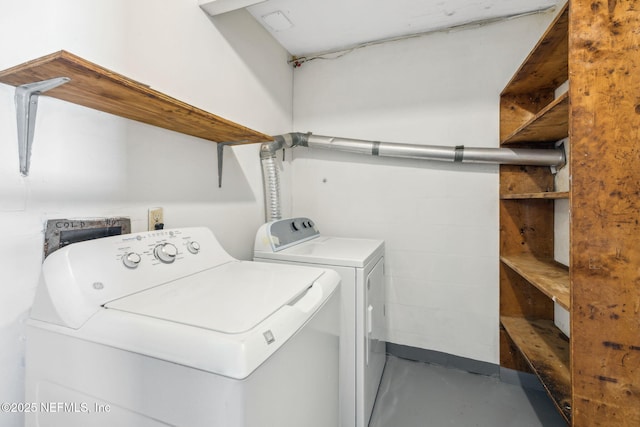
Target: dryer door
point(375, 346)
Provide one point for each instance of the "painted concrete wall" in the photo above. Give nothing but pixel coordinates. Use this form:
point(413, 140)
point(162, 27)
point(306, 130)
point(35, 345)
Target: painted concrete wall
point(90, 164)
point(439, 221)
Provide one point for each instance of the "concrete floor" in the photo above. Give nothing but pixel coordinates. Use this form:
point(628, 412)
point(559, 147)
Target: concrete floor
point(416, 394)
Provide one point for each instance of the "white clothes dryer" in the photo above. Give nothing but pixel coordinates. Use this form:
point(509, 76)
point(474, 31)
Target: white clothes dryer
point(360, 264)
point(164, 328)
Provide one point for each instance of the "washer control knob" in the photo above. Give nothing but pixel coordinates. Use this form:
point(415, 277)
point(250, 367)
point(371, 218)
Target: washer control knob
point(166, 252)
point(295, 226)
point(193, 247)
point(131, 260)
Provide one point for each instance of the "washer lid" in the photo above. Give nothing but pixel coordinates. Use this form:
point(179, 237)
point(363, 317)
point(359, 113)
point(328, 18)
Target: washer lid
point(231, 298)
point(324, 250)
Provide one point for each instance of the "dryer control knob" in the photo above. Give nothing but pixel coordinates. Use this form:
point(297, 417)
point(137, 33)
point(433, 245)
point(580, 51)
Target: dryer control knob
point(131, 260)
point(193, 247)
point(166, 252)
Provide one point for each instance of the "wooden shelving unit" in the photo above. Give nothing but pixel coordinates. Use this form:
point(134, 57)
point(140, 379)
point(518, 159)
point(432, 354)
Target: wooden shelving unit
point(546, 351)
point(548, 62)
point(99, 88)
point(545, 195)
point(549, 124)
point(594, 377)
point(530, 279)
point(548, 276)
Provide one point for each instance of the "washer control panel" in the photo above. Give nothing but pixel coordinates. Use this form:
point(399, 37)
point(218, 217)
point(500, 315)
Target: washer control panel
point(291, 231)
point(156, 247)
point(83, 276)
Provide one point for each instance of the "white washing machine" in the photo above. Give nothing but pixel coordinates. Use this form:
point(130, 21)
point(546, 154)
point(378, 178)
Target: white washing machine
point(360, 263)
point(165, 328)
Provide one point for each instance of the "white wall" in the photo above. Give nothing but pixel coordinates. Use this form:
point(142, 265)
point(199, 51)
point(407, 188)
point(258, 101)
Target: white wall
point(439, 221)
point(90, 164)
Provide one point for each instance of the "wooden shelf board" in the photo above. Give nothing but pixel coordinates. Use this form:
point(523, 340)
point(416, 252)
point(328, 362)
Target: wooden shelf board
point(546, 350)
point(550, 124)
point(541, 195)
point(547, 66)
point(548, 276)
point(96, 87)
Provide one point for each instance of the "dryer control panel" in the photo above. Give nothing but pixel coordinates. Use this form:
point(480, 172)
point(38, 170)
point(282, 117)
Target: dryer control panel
point(284, 233)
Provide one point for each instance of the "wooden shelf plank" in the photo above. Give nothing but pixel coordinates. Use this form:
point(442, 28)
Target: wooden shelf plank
point(96, 87)
point(547, 66)
point(548, 276)
point(546, 350)
point(541, 195)
point(550, 124)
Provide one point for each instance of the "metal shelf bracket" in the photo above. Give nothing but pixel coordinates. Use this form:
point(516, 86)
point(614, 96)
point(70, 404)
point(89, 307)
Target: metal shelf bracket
point(26, 107)
point(220, 146)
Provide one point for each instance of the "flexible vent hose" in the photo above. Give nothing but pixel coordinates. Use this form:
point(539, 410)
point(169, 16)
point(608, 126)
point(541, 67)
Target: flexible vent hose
point(271, 176)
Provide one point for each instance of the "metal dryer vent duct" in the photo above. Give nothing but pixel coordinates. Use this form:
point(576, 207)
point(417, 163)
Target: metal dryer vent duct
point(459, 154)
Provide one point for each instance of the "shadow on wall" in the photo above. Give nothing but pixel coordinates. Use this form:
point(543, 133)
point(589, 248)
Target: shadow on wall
point(173, 167)
point(12, 363)
point(241, 31)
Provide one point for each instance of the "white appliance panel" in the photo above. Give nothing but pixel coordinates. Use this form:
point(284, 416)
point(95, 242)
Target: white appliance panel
point(360, 264)
point(335, 251)
point(348, 339)
point(165, 328)
point(141, 391)
point(232, 298)
point(374, 342)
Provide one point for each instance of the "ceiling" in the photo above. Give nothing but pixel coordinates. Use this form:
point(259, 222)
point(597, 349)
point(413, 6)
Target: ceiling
point(305, 27)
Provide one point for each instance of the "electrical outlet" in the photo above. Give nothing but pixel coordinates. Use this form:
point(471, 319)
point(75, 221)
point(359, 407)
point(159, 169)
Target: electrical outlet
point(156, 216)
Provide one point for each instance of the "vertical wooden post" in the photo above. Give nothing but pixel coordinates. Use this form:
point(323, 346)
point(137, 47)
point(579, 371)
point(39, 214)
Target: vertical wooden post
point(604, 69)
